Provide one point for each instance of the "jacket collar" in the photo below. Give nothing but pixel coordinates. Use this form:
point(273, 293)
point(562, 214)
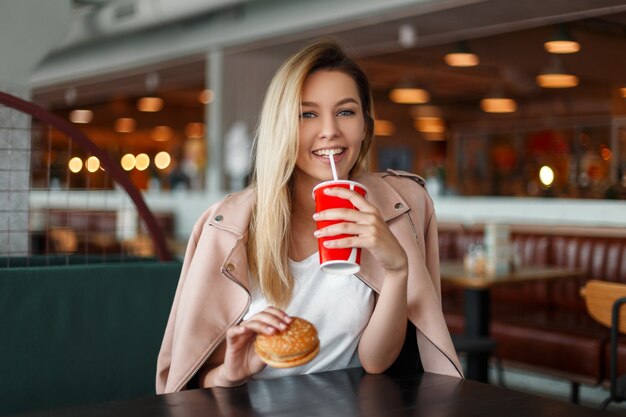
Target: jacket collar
point(381, 195)
point(234, 214)
point(236, 210)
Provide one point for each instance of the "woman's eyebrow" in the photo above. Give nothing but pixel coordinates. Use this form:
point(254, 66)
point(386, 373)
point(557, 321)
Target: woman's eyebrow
point(346, 101)
point(339, 103)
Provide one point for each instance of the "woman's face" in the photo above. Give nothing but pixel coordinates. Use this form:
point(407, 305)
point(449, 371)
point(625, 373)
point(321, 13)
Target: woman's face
point(331, 120)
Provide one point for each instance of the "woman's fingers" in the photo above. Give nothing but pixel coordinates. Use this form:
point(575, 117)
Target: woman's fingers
point(279, 313)
point(240, 334)
point(240, 359)
point(364, 227)
point(355, 198)
point(269, 321)
point(348, 215)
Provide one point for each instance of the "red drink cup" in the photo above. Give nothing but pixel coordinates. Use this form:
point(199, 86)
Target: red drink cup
point(337, 261)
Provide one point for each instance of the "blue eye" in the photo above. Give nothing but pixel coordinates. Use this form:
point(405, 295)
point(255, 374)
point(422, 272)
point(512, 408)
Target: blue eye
point(307, 115)
point(345, 113)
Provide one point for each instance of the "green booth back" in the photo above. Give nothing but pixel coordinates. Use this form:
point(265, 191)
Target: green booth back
point(69, 259)
point(81, 334)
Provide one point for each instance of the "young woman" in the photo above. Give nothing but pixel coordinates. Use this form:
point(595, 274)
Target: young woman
point(252, 261)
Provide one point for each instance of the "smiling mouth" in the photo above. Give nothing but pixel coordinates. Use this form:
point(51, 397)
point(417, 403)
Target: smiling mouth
point(326, 152)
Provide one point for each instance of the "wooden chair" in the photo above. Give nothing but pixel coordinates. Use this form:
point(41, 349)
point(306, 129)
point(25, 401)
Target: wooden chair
point(604, 301)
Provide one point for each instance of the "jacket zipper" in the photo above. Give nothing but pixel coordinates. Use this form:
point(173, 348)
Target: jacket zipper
point(232, 323)
point(412, 227)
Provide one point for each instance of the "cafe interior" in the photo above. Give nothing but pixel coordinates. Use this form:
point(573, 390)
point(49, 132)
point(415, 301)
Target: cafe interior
point(142, 113)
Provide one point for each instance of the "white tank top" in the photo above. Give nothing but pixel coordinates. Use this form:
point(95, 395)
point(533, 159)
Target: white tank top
point(339, 306)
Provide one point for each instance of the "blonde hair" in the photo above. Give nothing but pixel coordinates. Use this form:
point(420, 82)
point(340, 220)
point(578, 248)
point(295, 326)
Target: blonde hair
point(275, 150)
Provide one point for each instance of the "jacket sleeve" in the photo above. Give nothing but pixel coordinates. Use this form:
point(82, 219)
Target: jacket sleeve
point(165, 354)
point(424, 288)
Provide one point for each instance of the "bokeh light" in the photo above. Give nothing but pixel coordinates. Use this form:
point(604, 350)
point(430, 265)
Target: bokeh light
point(142, 162)
point(75, 164)
point(546, 176)
point(128, 162)
point(92, 164)
point(162, 160)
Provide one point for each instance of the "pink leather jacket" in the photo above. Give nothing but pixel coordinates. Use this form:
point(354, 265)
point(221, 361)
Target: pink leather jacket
point(213, 295)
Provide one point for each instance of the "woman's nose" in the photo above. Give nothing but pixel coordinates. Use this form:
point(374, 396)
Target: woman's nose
point(329, 127)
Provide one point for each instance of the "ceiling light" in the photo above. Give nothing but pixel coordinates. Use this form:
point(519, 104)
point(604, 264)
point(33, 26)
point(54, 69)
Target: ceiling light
point(81, 116)
point(429, 121)
point(150, 104)
point(405, 95)
point(498, 105)
point(430, 124)
point(623, 91)
point(384, 128)
point(562, 42)
point(461, 56)
point(125, 125)
point(555, 76)
point(557, 80)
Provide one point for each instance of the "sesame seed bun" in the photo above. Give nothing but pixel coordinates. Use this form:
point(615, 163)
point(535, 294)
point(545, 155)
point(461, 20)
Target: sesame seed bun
point(295, 346)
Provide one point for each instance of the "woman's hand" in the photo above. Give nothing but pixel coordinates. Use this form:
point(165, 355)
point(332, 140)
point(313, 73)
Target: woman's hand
point(369, 230)
point(240, 359)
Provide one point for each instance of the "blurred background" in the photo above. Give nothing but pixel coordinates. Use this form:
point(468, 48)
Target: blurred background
point(139, 114)
point(518, 108)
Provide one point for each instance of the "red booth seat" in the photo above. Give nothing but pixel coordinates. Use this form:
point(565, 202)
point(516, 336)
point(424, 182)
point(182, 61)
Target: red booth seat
point(543, 325)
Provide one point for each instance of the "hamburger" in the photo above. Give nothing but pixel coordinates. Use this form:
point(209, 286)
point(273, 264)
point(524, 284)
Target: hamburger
point(294, 346)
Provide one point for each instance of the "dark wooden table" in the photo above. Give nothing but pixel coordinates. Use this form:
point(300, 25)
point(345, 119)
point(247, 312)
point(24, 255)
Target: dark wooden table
point(339, 393)
point(476, 299)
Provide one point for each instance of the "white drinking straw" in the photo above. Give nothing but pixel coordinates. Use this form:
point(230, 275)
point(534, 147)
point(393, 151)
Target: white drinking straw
point(332, 165)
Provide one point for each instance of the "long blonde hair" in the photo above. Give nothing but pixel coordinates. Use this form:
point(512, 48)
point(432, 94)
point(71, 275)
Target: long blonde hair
point(275, 151)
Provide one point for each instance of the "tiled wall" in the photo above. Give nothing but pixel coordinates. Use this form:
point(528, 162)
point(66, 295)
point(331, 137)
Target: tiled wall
point(14, 176)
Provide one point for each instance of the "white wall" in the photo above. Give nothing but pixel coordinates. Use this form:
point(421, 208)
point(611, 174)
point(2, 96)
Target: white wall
point(533, 211)
point(22, 45)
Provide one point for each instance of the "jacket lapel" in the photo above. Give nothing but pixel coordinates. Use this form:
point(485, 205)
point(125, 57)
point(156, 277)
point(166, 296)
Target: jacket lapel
point(234, 217)
point(391, 206)
point(386, 199)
